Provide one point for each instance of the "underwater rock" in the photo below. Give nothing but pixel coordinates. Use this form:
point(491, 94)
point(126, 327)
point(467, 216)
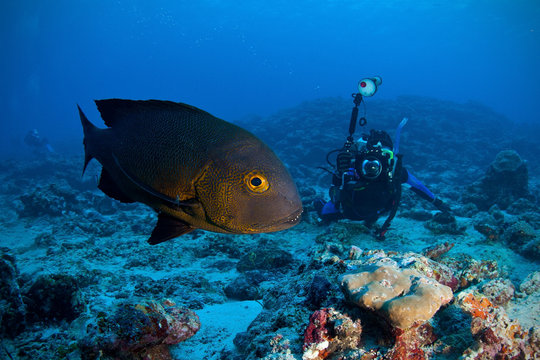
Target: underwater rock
point(444, 223)
point(52, 200)
point(54, 298)
point(522, 237)
point(506, 180)
point(470, 271)
point(490, 224)
point(522, 206)
point(265, 258)
point(402, 296)
point(254, 343)
point(191, 289)
point(409, 342)
point(436, 251)
point(452, 327)
point(330, 332)
point(215, 244)
point(318, 291)
point(496, 335)
point(531, 284)
point(343, 232)
point(245, 286)
point(499, 291)
point(519, 234)
point(12, 308)
point(139, 332)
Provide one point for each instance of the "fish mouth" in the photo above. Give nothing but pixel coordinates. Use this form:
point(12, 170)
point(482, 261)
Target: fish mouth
point(284, 223)
point(294, 218)
point(278, 225)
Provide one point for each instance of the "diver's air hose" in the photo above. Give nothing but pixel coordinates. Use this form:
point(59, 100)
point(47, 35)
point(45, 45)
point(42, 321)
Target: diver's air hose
point(398, 134)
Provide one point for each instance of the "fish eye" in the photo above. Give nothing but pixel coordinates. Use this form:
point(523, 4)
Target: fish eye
point(256, 182)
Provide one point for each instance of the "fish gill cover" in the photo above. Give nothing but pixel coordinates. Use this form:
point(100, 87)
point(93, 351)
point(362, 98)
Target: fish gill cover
point(452, 279)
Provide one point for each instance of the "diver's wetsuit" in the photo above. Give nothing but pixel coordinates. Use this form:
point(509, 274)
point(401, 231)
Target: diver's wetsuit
point(363, 200)
point(367, 200)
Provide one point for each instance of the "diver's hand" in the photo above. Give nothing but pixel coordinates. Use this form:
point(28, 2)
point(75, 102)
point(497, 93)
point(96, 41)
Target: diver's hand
point(378, 233)
point(441, 206)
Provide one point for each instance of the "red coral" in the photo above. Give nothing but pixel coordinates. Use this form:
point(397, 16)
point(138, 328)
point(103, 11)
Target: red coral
point(436, 251)
point(409, 343)
point(316, 330)
point(330, 332)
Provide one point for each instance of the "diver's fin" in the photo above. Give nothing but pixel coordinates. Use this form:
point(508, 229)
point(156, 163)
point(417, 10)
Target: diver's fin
point(169, 201)
point(88, 128)
point(116, 111)
point(109, 187)
point(167, 228)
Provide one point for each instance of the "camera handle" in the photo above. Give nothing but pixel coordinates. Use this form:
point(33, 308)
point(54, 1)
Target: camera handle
point(354, 117)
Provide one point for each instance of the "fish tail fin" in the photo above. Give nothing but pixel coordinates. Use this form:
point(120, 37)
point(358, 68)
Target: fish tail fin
point(88, 129)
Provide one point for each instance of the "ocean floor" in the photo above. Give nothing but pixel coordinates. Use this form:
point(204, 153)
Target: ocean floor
point(79, 280)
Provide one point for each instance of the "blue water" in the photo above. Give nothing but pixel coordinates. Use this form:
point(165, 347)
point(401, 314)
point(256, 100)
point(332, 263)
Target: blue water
point(234, 58)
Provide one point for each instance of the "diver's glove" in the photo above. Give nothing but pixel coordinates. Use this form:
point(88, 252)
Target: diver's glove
point(441, 206)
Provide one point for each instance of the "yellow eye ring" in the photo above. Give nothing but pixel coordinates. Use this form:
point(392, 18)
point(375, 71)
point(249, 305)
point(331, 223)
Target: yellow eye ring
point(256, 182)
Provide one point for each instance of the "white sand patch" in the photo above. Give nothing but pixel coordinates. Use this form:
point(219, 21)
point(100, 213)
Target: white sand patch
point(219, 325)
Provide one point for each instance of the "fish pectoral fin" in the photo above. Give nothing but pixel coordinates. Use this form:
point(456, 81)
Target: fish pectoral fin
point(109, 187)
point(167, 228)
point(165, 199)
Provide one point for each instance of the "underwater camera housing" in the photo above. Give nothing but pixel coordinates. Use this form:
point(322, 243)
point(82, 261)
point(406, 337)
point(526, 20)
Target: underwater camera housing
point(376, 157)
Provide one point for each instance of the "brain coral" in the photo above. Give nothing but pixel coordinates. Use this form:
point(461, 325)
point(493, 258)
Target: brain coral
point(402, 296)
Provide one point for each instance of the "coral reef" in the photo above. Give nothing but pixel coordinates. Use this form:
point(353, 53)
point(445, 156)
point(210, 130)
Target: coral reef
point(12, 308)
point(444, 223)
point(53, 298)
point(142, 331)
point(496, 335)
point(531, 284)
point(498, 291)
point(329, 332)
point(436, 251)
point(506, 181)
point(52, 200)
point(245, 286)
point(74, 247)
point(523, 238)
point(409, 343)
point(267, 258)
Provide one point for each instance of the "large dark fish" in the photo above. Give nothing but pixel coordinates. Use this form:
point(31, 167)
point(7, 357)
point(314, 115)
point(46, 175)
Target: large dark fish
point(195, 170)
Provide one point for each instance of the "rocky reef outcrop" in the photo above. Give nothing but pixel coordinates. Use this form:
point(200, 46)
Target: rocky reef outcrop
point(139, 331)
point(12, 307)
point(505, 181)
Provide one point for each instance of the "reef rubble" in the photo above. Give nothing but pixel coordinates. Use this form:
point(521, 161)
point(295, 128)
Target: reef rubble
point(79, 280)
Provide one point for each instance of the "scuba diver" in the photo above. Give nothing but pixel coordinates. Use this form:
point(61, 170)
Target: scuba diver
point(368, 173)
point(37, 143)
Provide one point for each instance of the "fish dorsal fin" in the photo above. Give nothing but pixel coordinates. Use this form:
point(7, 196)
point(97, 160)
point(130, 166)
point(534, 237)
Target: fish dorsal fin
point(114, 111)
point(167, 228)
